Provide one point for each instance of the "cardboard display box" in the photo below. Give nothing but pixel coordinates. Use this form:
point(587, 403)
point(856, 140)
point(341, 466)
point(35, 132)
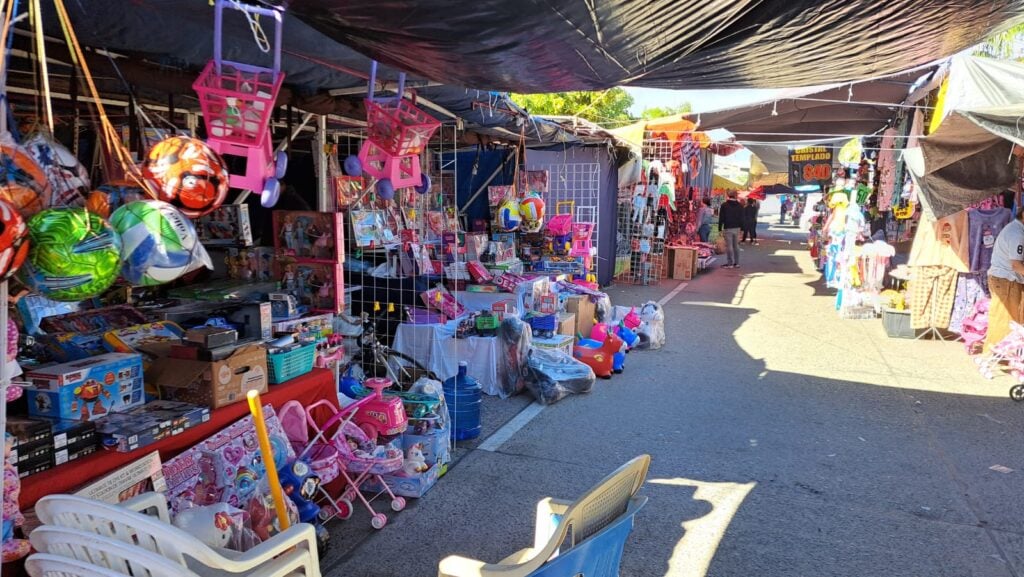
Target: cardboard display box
point(585, 311)
point(212, 384)
point(86, 389)
point(682, 263)
point(566, 324)
point(148, 424)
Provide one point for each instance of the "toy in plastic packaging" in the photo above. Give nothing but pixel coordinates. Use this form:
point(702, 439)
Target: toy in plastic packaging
point(220, 526)
point(552, 375)
point(515, 338)
point(13, 549)
point(652, 326)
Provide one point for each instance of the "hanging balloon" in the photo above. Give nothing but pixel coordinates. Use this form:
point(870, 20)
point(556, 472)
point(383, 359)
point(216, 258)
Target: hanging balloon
point(352, 166)
point(109, 197)
point(13, 240)
point(69, 180)
point(23, 182)
point(188, 174)
point(74, 255)
point(385, 190)
point(424, 186)
point(158, 243)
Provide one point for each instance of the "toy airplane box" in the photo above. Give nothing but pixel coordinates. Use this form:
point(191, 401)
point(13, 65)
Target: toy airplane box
point(86, 389)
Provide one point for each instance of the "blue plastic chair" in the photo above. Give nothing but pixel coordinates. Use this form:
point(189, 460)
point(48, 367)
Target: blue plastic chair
point(592, 531)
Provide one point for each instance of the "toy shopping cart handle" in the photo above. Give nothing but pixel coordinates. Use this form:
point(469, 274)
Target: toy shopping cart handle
point(218, 25)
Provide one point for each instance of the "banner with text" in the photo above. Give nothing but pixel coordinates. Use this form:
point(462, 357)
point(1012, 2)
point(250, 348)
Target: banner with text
point(810, 165)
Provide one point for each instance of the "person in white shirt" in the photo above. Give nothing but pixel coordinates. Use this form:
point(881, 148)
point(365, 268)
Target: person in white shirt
point(1006, 280)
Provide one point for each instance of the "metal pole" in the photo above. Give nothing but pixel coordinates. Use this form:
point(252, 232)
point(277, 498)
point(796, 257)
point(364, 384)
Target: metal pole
point(324, 203)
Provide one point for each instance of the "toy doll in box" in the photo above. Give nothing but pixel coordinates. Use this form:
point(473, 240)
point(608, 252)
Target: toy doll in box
point(309, 235)
point(227, 225)
point(319, 286)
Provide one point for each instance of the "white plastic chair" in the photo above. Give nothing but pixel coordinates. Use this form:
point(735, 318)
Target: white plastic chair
point(291, 551)
point(594, 530)
point(107, 554)
point(45, 565)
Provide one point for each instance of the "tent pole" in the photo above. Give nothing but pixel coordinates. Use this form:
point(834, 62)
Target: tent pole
point(323, 195)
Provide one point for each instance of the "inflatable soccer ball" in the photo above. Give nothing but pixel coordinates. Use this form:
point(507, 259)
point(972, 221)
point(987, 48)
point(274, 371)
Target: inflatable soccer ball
point(109, 197)
point(13, 240)
point(158, 243)
point(69, 180)
point(188, 174)
point(509, 217)
point(22, 181)
point(74, 255)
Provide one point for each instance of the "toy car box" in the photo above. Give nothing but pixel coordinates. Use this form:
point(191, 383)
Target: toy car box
point(148, 424)
point(72, 434)
point(87, 388)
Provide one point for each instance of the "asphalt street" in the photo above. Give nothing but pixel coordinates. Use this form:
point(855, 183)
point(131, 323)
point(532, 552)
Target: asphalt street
point(784, 441)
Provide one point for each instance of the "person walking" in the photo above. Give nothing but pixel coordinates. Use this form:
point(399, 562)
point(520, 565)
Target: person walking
point(705, 214)
point(783, 209)
point(730, 220)
point(1006, 281)
point(750, 221)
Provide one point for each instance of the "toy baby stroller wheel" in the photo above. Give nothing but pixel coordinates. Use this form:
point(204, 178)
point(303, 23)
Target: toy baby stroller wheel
point(271, 192)
point(1017, 393)
point(280, 164)
point(379, 520)
point(348, 495)
point(398, 503)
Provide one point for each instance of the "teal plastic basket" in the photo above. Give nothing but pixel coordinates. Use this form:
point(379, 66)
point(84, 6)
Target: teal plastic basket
point(294, 363)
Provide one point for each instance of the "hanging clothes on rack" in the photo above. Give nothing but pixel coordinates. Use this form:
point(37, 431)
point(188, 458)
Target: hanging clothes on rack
point(933, 289)
point(970, 288)
point(984, 225)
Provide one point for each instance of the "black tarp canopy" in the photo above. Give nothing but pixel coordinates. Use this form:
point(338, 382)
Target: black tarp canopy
point(558, 45)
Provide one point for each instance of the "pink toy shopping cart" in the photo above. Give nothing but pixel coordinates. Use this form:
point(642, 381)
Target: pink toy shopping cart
point(358, 458)
point(237, 102)
point(1010, 351)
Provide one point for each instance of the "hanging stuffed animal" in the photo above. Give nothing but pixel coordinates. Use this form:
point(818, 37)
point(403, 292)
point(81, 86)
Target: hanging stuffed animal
point(13, 549)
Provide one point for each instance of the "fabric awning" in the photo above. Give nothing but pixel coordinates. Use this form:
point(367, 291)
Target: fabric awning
point(559, 45)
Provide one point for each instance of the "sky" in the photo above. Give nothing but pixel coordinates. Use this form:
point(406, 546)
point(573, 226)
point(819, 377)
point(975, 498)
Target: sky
point(700, 100)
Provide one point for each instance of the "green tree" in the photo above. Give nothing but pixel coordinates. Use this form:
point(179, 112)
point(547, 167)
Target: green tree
point(1006, 45)
point(602, 107)
point(663, 111)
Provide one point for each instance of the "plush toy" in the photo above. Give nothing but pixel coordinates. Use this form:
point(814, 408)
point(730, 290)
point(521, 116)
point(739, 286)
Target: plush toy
point(13, 549)
point(211, 524)
point(415, 462)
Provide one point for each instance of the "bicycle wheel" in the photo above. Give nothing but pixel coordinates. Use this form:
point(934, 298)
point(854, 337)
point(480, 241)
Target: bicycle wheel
point(402, 369)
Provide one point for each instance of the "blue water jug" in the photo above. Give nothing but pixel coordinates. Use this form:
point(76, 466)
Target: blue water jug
point(462, 395)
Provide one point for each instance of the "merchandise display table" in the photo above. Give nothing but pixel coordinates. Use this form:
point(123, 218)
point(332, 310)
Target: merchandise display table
point(307, 389)
point(437, 349)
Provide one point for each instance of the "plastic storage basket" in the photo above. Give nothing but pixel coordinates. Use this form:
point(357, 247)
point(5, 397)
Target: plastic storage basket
point(897, 323)
point(294, 363)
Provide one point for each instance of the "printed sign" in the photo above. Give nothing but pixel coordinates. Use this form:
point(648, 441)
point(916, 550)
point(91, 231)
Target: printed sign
point(810, 165)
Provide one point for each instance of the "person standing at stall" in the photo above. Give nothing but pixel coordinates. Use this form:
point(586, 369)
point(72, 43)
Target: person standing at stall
point(750, 221)
point(705, 215)
point(730, 220)
point(1006, 280)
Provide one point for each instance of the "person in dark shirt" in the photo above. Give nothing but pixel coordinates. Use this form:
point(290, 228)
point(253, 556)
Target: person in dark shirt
point(750, 221)
point(730, 222)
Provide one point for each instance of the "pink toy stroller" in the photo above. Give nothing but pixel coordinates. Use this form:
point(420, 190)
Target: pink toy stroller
point(342, 449)
point(1010, 350)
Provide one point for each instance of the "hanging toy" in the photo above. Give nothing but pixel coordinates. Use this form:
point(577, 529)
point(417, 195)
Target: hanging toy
point(531, 209)
point(188, 174)
point(23, 182)
point(237, 101)
point(509, 217)
point(158, 243)
point(74, 255)
point(69, 180)
point(14, 244)
point(109, 197)
point(424, 185)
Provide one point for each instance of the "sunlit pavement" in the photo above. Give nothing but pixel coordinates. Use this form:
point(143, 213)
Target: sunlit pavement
point(785, 442)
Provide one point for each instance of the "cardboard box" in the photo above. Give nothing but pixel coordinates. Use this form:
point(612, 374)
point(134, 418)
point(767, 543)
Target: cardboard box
point(566, 324)
point(585, 311)
point(72, 433)
point(682, 263)
point(436, 444)
point(401, 485)
point(227, 225)
point(310, 236)
point(143, 475)
point(72, 453)
point(211, 384)
point(86, 389)
point(148, 424)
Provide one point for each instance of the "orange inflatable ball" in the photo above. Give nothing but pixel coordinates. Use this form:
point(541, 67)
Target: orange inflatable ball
point(22, 181)
point(188, 174)
point(109, 197)
point(13, 240)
